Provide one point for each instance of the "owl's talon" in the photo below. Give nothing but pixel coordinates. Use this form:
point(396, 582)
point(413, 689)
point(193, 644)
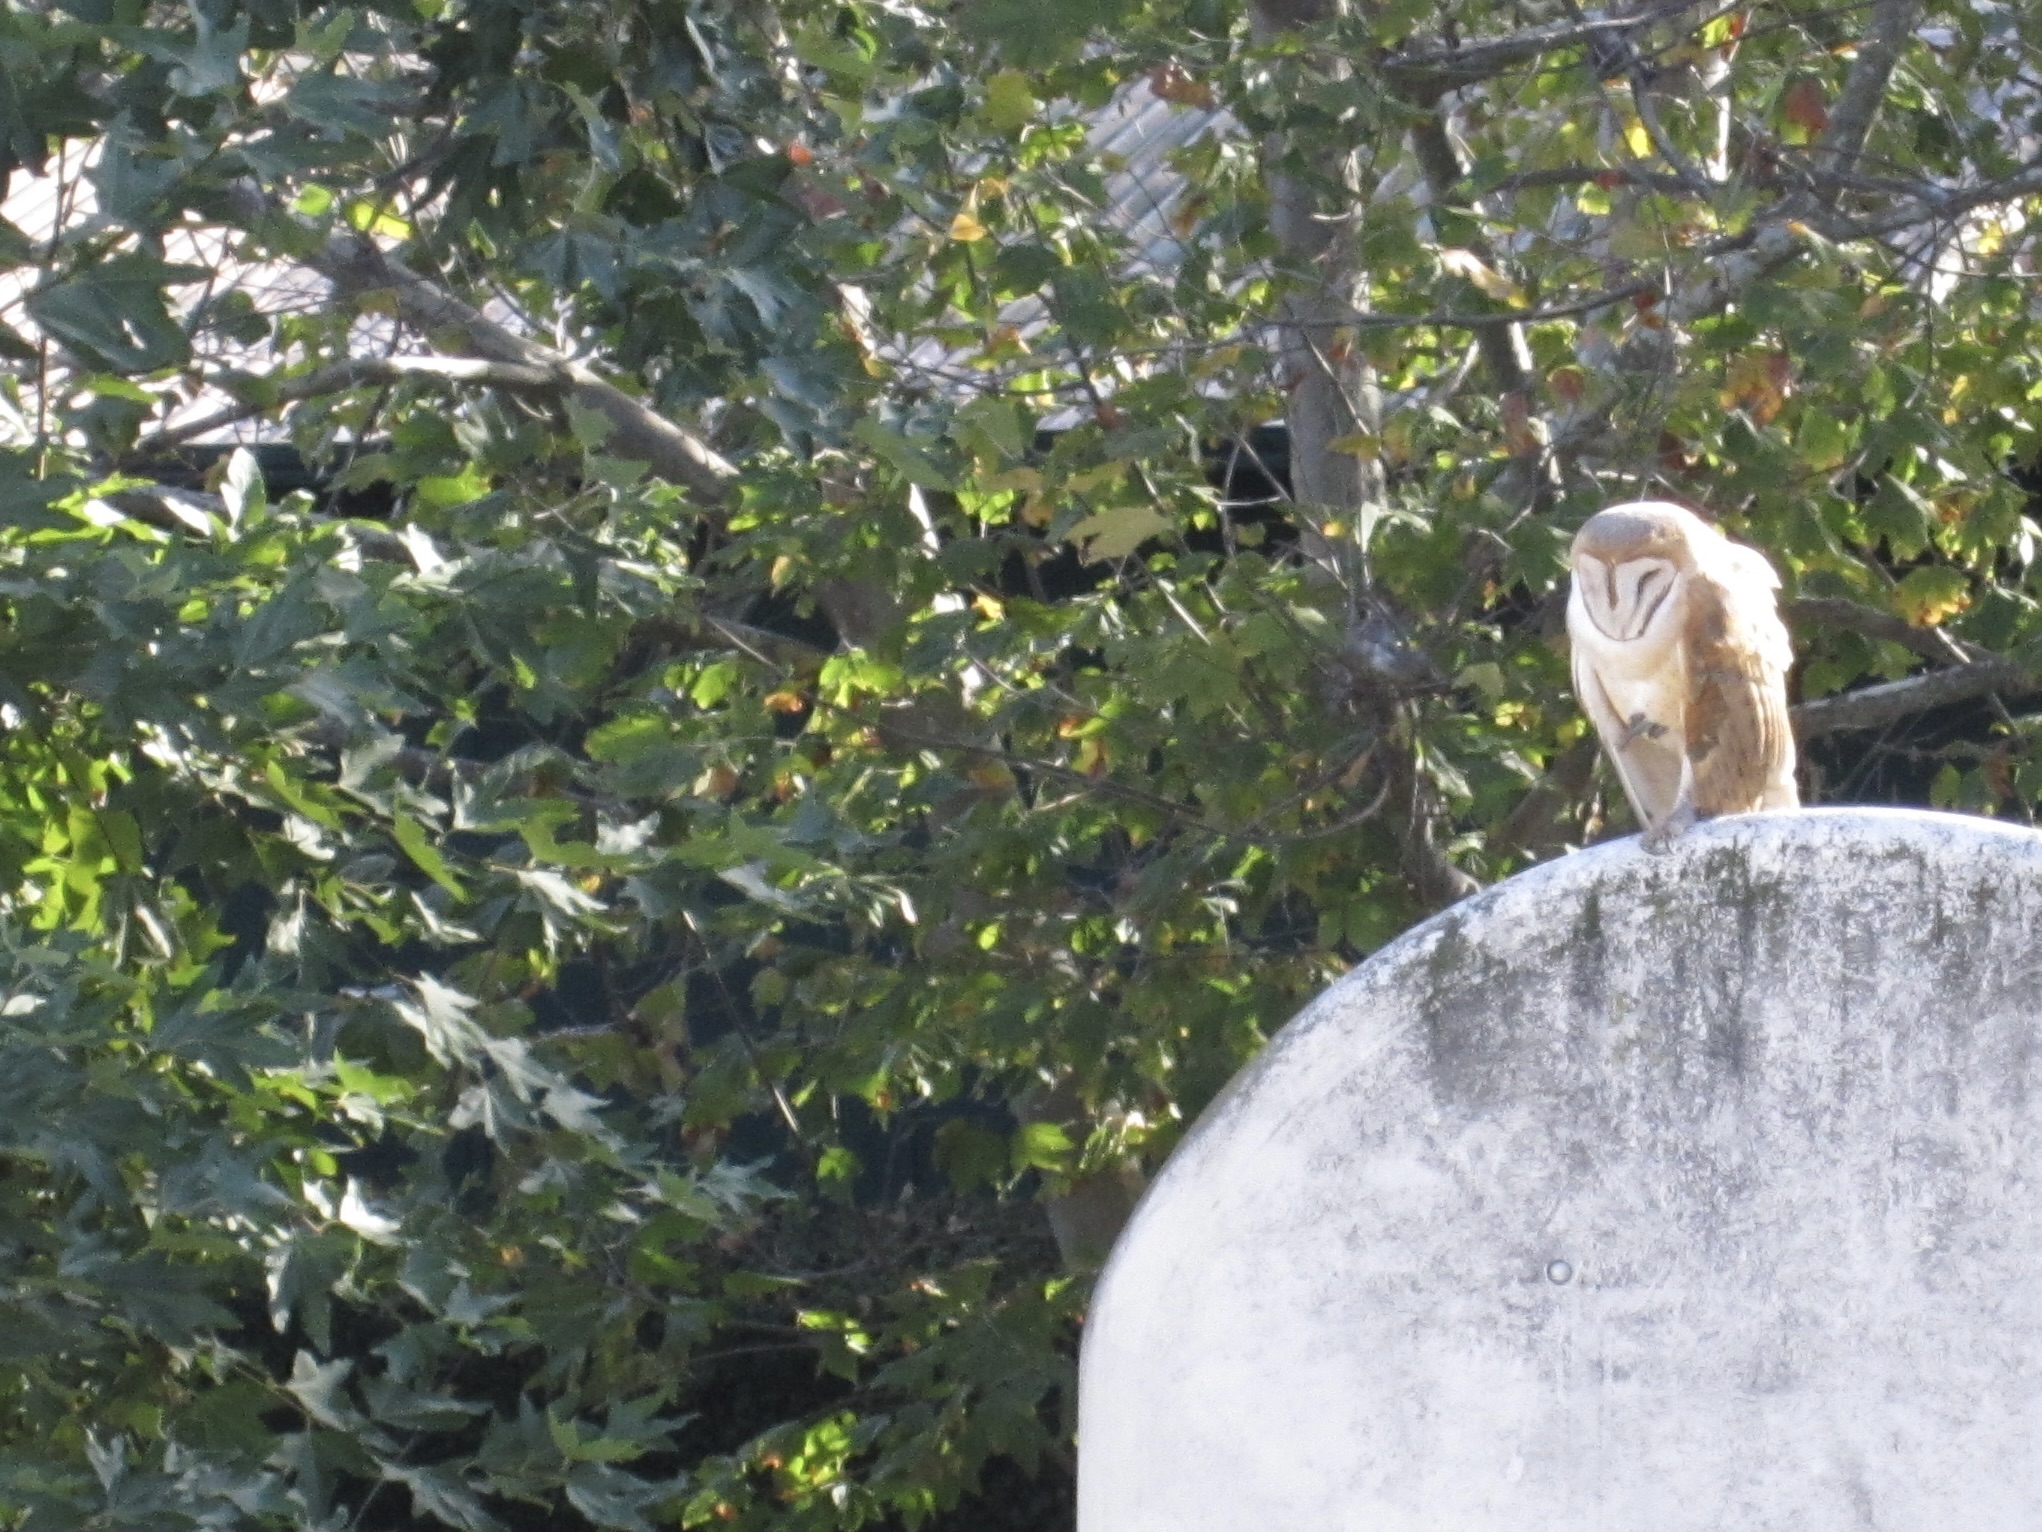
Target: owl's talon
point(1640, 727)
point(1660, 838)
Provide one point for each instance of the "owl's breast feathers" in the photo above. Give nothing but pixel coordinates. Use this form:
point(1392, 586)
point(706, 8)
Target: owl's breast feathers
point(1634, 693)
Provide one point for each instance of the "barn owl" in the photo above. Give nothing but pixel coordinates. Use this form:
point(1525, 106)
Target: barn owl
point(1680, 661)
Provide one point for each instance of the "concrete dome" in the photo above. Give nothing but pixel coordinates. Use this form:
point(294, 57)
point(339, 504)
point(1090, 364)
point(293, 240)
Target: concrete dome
point(1638, 1193)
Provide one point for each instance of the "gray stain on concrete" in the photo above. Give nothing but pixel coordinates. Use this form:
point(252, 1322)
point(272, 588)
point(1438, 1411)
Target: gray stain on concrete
point(1768, 1102)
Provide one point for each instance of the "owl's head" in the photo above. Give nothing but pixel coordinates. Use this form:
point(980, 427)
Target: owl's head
point(1628, 561)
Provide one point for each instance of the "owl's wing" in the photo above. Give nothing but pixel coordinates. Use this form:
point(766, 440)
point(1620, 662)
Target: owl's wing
point(1647, 760)
point(1739, 740)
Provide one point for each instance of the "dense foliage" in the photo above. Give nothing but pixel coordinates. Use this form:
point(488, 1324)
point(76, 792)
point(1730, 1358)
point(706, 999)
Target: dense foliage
point(615, 958)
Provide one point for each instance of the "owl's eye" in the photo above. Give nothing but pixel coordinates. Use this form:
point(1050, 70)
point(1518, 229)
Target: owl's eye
point(1646, 582)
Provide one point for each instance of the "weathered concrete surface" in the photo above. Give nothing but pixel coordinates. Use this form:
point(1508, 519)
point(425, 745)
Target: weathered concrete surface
point(1638, 1194)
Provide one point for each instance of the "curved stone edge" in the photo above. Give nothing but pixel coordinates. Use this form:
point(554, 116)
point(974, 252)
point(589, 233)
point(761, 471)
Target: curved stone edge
point(1722, 875)
point(1582, 870)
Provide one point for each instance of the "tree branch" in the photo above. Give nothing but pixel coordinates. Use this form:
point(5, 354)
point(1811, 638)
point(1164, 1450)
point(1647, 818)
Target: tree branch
point(1873, 707)
point(1850, 124)
point(1582, 175)
point(1428, 75)
point(354, 373)
point(1331, 390)
point(1503, 319)
point(1935, 204)
point(1734, 266)
point(357, 266)
point(1930, 643)
point(1531, 826)
point(1503, 348)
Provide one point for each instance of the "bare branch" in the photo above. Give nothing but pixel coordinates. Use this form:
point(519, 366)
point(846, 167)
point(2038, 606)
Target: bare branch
point(1935, 204)
point(354, 373)
point(357, 266)
point(1629, 174)
point(190, 513)
point(1843, 141)
point(1532, 825)
point(1691, 179)
point(1504, 318)
point(1875, 706)
point(1740, 263)
point(1930, 643)
point(1503, 348)
point(1425, 76)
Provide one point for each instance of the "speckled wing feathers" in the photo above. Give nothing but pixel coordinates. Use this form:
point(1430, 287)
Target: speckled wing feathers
point(1738, 734)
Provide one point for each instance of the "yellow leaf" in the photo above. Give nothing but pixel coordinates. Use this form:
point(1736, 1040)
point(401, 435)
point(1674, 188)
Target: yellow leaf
point(1005, 340)
point(991, 777)
point(1472, 268)
point(965, 228)
point(379, 222)
point(1637, 139)
point(1357, 444)
point(1723, 31)
point(1928, 596)
point(1398, 441)
point(1953, 398)
point(716, 782)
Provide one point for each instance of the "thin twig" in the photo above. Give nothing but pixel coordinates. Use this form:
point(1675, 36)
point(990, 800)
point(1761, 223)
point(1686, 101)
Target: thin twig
point(354, 373)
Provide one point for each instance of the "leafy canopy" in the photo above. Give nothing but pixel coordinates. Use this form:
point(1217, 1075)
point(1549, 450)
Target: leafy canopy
point(613, 956)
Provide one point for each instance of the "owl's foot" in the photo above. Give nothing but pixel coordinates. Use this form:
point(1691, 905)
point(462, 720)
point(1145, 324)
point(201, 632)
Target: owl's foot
point(1640, 727)
point(1660, 838)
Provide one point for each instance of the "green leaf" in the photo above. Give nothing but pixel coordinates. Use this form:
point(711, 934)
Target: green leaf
point(1010, 101)
point(1033, 34)
point(411, 837)
point(1116, 533)
point(115, 312)
point(1042, 1146)
point(442, 1494)
point(912, 461)
point(322, 1389)
point(1823, 442)
point(1896, 513)
point(971, 1156)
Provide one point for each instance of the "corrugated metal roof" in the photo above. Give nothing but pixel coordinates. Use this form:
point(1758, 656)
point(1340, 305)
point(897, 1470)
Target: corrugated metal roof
point(1134, 137)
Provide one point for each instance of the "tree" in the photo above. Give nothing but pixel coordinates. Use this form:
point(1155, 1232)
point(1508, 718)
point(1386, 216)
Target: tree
point(618, 957)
